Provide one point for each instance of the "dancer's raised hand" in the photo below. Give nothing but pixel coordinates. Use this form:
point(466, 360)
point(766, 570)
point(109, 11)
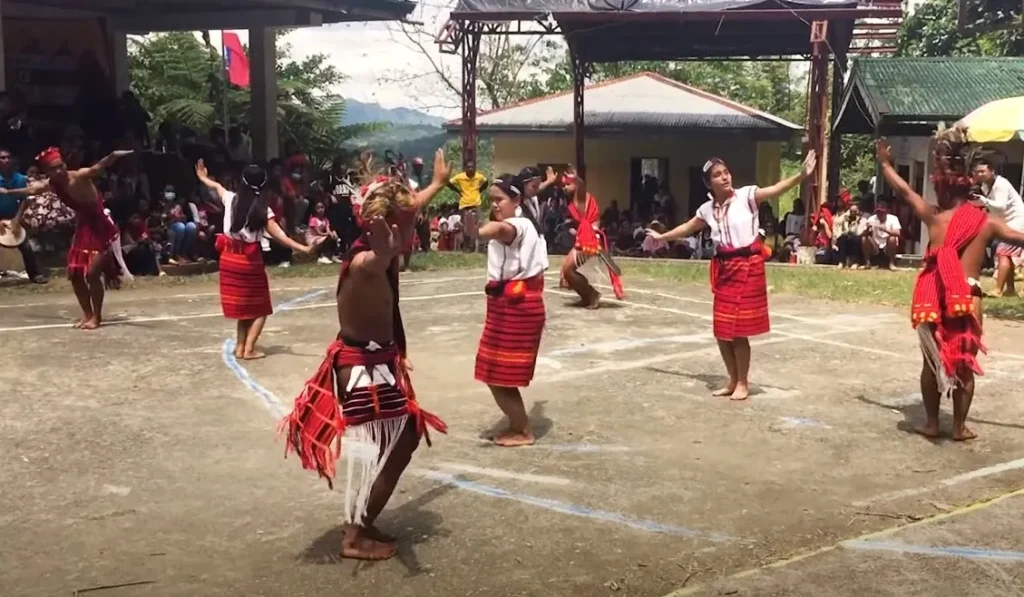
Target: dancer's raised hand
point(383, 238)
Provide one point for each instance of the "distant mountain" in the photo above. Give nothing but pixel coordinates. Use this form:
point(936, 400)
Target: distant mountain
point(357, 112)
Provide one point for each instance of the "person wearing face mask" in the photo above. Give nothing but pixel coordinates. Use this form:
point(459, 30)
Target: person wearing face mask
point(881, 240)
point(181, 231)
point(517, 258)
point(737, 269)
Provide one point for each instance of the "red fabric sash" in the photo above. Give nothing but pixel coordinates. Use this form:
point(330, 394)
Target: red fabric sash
point(590, 241)
point(942, 295)
point(223, 242)
point(722, 255)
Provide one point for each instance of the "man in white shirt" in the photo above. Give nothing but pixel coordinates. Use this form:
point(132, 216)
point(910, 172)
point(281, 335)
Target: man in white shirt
point(455, 227)
point(1001, 200)
point(881, 239)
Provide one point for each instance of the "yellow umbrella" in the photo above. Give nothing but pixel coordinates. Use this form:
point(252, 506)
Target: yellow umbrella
point(996, 122)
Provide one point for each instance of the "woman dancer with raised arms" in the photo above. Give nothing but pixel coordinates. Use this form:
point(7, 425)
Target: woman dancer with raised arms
point(737, 269)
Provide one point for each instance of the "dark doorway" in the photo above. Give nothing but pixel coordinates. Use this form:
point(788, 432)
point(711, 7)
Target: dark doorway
point(645, 176)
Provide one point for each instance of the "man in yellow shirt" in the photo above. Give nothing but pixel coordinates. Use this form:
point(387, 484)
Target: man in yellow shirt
point(469, 184)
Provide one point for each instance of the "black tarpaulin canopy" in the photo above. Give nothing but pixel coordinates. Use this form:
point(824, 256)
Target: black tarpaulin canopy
point(615, 30)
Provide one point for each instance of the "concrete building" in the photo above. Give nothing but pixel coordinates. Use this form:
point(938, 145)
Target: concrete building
point(641, 125)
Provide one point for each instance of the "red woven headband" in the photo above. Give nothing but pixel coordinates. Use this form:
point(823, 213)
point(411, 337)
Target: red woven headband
point(49, 157)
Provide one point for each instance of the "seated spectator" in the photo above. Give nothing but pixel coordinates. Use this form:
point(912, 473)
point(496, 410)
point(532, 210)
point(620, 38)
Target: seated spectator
point(182, 232)
point(624, 240)
point(881, 239)
point(654, 248)
point(444, 236)
point(849, 229)
point(320, 235)
point(822, 225)
point(205, 231)
point(610, 215)
point(141, 254)
point(771, 238)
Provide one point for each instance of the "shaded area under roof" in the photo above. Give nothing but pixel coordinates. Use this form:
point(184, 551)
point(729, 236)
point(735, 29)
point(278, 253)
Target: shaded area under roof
point(615, 30)
point(643, 103)
point(169, 15)
point(912, 95)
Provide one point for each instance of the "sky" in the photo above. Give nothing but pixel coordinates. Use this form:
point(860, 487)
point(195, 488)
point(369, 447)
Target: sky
point(380, 64)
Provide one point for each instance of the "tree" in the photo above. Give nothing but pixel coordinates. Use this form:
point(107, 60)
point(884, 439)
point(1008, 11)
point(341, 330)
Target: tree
point(931, 30)
point(177, 79)
point(501, 67)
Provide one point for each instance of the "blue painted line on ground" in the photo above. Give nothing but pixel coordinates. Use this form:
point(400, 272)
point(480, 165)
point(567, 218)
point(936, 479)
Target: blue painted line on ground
point(573, 509)
point(585, 448)
point(291, 304)
point(971, 553)
point(270, 401)
point(279, 410)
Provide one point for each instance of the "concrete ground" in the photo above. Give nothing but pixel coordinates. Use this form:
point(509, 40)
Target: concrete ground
point(143, 453)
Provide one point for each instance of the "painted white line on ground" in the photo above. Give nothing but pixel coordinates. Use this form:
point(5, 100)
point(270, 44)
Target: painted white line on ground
point(149, 298)
point(502, 474)
point(130, 320)
point(630, 343)
point(955, 480)
point(801, 319)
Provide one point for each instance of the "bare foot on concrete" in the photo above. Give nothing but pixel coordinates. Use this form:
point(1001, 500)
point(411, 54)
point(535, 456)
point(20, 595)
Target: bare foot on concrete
point(253, 355)
point(929, 430)
point(78, 324)
point(742, 392)
point(726, 391)
point(964, 434)
point(515, 439)
point(90, 324)
point(362, 547)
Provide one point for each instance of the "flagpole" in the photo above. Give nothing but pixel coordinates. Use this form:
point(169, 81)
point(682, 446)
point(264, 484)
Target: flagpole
point(224, 78)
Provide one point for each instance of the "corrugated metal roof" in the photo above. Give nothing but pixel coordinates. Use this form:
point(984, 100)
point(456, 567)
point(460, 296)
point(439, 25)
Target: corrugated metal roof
point(942, 88)
point(640, 101)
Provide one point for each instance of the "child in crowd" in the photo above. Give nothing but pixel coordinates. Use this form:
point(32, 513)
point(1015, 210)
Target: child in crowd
point(320, 231)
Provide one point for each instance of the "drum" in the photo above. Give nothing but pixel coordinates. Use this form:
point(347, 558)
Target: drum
point(9, 239)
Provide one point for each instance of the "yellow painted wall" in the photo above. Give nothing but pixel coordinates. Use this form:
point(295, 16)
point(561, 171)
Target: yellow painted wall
point(608, 160)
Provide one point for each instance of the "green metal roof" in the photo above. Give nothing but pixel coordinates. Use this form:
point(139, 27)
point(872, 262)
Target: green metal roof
point(889, 92)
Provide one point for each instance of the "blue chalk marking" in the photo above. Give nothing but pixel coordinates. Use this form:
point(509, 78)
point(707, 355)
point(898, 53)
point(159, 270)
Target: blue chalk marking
point(273, 404)
point(278, 409)
point(803, 422)
point(574, 509)
point(970, 553)
point(585, 448)
point(299, 300)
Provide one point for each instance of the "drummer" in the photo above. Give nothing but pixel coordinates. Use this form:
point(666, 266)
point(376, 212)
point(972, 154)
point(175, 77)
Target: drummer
point(12, 208)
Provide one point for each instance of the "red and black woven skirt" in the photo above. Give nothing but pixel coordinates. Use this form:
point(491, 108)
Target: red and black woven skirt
point(244, 288)
point(92, 238)
point(507, 355)
point(741, 296)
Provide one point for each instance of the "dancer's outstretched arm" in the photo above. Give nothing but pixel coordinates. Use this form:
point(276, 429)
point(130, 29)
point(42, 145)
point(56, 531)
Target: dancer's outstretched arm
point(106, 162)
point(777, 189)
point(690, 228)
point(277, 233)
point(204, 177)
point(903, 190)
point(502, 232)
point(999, 229)
point(439, 179)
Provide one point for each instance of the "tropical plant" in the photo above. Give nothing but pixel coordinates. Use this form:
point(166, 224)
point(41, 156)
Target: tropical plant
point(177, 79)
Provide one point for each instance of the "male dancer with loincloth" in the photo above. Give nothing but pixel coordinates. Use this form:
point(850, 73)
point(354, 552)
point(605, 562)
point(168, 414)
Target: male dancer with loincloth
point(590, 242)
point(946, 308)
point(94, 259)
point(362, 391)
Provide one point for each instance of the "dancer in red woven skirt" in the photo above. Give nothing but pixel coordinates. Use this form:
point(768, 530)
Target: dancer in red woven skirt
point(737, 269)
point(591, 242)
point(362, 390)
point(94, 259)
point(946, 308)
point(244, 289)
point(517, 257)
